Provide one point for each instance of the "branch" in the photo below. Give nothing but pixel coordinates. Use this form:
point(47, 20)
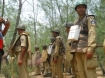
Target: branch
point(30, 3)
point(24, 1)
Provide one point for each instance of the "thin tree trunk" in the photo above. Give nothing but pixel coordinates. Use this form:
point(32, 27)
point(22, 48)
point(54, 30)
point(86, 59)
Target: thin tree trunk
point(59, 11)
point(17, 22)
point(3, 8)
point(61, 20)
point(67, 10)
point(35, 21)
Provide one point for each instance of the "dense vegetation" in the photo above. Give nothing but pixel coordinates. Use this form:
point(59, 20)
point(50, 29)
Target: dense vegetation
point(41, 16)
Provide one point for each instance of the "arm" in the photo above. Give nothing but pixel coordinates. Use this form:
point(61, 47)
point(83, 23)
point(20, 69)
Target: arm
point(7, 25)
point(23, 48)
point(23, 51)
point(91, 36)
point(56, 53)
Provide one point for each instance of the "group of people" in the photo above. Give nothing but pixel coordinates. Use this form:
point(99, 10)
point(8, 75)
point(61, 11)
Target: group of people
point(79, 54)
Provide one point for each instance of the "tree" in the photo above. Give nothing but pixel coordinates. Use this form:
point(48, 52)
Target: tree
point(17, 21)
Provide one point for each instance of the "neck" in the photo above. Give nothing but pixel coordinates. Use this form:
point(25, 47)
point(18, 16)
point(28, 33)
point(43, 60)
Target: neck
point(80, 16)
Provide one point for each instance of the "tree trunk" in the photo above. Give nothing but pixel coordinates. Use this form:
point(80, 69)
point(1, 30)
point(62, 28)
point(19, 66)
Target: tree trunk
point(61, 20)
point(59, 11)
point(3, 8)
point(67, 10)
point(35, 21)
point(17, 22)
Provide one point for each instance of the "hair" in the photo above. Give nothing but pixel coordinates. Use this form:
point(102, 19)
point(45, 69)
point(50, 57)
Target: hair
point(36, 47)
point(44, 47)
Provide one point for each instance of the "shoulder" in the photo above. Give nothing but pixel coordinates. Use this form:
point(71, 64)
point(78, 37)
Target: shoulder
point(91, 19)
point(75, 21)
point(90, 16)
point(22, 37)
point(24, 34)
point(59, 37)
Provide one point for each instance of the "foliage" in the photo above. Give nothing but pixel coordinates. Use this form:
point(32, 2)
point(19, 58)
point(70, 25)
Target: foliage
point(48, 15)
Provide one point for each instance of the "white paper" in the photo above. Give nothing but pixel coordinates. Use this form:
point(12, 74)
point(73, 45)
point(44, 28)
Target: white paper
point(49, 49)
point(74, 33)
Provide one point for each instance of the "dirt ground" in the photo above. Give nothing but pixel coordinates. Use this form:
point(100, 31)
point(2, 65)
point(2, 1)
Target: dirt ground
point(99, 75)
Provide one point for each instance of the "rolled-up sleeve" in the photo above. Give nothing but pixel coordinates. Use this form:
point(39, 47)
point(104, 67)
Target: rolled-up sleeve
point(23, 41)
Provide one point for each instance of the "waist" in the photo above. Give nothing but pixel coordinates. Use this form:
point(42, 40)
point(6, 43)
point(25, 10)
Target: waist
point(84, 32)
point(80, 50)
point(17, 48)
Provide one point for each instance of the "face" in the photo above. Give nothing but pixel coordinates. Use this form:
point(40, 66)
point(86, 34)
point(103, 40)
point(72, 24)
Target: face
point(67, 29)
point(53, 34)
point(36, 49)
point(81, 9)
point(19, 32)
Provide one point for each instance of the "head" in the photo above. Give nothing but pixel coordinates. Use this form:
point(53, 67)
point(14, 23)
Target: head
point(20, 29)
point(44, 47)
point(55, 32)
point(68, 25)
point(36, 48)
point(81, 8)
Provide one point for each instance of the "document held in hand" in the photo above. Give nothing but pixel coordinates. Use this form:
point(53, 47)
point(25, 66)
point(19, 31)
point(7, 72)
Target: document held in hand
point(74, 33)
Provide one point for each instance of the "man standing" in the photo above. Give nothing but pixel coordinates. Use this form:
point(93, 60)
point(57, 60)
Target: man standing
point(44, 60)
point(2, 34)
point(21, 48)
point(58, 54)
point(71, 56)
point(84, 47)
point(37, 60)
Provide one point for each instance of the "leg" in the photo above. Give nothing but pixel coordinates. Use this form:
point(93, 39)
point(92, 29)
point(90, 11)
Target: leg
point(23, 73)
point(80, 65)
point(53, 69)
point(91, 65)
point(91, 73)
point(74, 67)
point(59, 67)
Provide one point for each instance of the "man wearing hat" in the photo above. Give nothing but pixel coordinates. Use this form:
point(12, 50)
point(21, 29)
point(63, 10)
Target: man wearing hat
point(21, 48)
point(57, 54)
point(84, 47)
point(70, 57)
